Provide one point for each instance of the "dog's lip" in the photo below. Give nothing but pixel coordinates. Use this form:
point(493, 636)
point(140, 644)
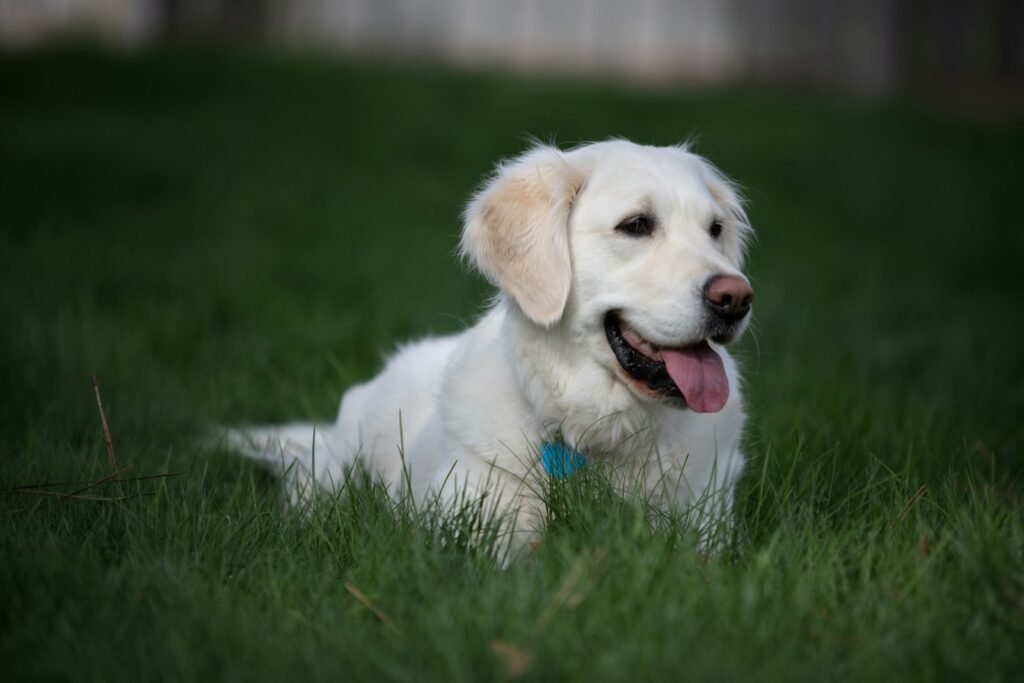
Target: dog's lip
point(634, 339)
point(639, 358)
point(645, 346)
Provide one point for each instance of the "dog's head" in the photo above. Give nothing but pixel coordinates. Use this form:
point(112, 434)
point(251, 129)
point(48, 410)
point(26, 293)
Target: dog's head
point(634, 251)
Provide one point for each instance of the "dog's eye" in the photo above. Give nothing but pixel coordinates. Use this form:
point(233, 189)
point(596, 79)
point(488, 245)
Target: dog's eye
point(640, 225)
point(715, 229)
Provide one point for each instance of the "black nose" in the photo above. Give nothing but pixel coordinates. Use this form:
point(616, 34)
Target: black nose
point(729, 296)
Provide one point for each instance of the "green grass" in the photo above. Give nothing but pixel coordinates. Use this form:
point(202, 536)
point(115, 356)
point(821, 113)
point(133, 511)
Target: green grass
point(238, 239)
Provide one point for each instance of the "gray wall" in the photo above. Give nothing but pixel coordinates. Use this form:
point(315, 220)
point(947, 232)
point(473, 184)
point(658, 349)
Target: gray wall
point(871, 46)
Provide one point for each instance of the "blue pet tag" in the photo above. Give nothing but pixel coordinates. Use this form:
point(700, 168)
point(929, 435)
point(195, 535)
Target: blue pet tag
point(561, 461)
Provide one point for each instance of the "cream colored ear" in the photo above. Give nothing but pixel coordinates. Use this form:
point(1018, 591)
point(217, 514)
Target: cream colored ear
point(517, 231)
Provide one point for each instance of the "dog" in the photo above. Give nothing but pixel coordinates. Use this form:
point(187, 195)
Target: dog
point(619, 283)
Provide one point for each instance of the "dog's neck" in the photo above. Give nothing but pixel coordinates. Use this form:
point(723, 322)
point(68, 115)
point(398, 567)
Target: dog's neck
point(570, 392)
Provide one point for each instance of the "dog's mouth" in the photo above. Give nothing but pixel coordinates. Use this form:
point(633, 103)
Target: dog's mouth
point(693, 373)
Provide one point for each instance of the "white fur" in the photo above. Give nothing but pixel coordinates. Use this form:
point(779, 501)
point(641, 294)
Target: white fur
point(476, 406)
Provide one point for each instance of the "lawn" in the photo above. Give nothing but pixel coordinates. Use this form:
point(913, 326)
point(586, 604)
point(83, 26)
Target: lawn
point(224, 239)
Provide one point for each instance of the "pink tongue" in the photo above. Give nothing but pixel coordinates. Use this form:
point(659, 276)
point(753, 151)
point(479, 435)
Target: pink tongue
point(700, 376)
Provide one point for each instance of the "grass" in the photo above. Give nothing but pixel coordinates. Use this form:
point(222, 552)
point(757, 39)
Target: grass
point(239, 238)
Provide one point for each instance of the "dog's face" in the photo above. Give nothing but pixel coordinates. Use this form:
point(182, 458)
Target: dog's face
point(634, 252)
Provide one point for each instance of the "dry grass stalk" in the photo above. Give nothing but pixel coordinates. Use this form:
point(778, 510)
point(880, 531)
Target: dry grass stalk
point(111, 460)
point(369, 604)
point(90, 483)
point(911, 502)
point(114, 476)
point(587, 562)
point(514, 659)
point(73, 496)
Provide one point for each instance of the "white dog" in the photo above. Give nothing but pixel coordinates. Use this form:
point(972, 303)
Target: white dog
point(618, 267)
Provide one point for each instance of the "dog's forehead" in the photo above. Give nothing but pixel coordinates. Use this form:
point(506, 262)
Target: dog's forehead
point(658, 176)
point(626, 178)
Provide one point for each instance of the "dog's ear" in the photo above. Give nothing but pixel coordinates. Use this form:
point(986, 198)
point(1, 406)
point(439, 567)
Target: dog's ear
point(517, 231)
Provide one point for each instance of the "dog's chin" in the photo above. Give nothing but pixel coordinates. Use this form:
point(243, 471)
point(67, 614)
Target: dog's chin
point(642, 365)
point(724, 333)
point(643, 391)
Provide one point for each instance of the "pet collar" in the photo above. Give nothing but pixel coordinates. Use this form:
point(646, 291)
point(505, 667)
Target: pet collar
point(561, 461)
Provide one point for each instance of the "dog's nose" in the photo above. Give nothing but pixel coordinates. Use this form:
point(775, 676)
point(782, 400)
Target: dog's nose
point(728, 295)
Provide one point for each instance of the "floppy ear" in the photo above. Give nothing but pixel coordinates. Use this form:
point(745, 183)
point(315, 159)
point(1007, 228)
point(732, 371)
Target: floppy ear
point(517, 231)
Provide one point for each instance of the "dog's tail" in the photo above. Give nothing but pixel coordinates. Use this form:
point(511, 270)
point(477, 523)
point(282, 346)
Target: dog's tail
point(297, 452)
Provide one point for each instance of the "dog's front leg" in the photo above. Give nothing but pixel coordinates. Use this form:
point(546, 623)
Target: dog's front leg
point(504, 508)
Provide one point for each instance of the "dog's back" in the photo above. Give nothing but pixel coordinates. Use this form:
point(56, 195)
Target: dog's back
point(377, 422)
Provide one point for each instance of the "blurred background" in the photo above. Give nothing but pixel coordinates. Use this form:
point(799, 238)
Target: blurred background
point(232, 145)
point(874, 47)
point(229, 167)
